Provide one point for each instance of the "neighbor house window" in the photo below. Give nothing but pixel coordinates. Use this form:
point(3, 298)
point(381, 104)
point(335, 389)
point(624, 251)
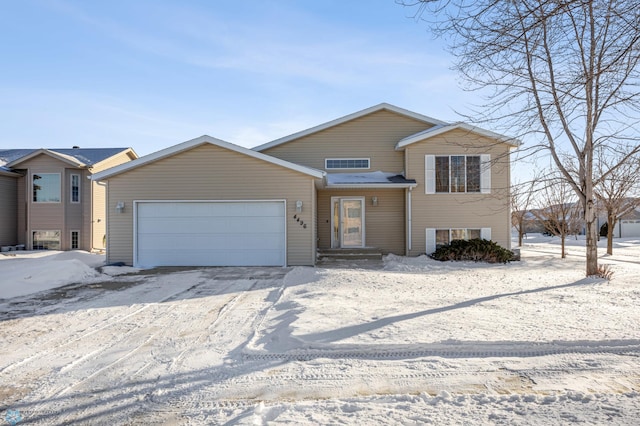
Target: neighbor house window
point(439, 237)
point(75, 188)
point(46, 188)
point(75, 240)
point(346, 163)
point(46, 240)
point(457, 174)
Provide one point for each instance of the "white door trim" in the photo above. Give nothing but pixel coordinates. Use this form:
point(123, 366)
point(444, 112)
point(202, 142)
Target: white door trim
point(338, 243)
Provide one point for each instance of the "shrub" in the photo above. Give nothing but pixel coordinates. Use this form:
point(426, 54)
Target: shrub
point(604, 271)
point(477, 250)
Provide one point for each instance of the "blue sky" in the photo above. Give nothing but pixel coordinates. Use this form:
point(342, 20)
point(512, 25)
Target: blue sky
point(153, 73)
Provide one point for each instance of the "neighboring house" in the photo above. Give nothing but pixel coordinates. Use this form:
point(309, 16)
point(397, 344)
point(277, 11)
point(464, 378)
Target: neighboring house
point(383, 177)
point(48, 200)
point(628, 226)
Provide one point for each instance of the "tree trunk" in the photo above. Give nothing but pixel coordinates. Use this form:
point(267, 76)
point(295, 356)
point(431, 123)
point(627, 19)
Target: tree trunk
point(611, 223)
point(563, 237)
point(520, 233)
point(592, 238)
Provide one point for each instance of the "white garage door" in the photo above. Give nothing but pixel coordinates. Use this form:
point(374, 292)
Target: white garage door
point(210, 233)
point(630, 228)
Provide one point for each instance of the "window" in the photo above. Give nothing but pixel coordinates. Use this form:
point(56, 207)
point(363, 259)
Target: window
point(346, 163)
point(46, 240)
point(438, 237)
point(75, 240)
point(46, 188)
point(75, 188)
point(457, 173)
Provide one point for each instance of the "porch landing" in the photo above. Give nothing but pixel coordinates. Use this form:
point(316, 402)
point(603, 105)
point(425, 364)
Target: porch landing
point(363, 253)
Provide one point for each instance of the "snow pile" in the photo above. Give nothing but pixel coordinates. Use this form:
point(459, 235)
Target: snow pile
point(23, 273)
point(367, 177)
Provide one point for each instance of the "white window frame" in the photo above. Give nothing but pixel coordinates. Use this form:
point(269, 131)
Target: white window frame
point(71, 239)
point(71, 188)
point(59, 189)
point(47, 230)
point(326, 161)
point(430, 174)
point(430, 236)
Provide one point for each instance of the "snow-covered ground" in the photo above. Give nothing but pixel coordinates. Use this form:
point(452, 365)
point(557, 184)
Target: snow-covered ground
point(412, 341)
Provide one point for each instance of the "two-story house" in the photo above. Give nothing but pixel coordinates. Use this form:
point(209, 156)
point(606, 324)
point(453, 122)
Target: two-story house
point(48, 200)
point(383, 177)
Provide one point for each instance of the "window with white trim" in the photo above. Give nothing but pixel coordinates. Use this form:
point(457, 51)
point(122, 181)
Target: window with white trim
point(46, 240)
point(46, 187)
point(346, 163)
point(436, 237)
point(75, 240)
point(75, 188)
point(457, 174)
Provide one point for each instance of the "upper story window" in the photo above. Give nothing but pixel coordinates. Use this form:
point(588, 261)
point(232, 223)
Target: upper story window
point(346, 163)
point(75, 188)
point(457, 173)
point(46, 188)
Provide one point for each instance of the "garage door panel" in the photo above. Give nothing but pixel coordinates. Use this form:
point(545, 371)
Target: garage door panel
point(211, 234)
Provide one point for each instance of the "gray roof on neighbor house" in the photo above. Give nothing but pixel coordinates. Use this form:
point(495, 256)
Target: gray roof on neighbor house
point(86, 156)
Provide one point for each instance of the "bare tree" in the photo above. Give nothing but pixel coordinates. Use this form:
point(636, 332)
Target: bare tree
point(563, 72)
point(559, 210)
point(616, 191)
point(522, 196)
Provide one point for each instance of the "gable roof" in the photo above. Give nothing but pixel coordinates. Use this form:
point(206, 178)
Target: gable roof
point(78, 157)
point(444, 128)
point(349, 117)
point(204, 139)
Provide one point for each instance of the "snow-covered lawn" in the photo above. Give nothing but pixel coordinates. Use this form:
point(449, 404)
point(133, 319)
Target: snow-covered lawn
point(413, 341)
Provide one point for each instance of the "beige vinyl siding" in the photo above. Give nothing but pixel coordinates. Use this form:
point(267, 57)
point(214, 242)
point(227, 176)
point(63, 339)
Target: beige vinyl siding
point(96, 204)
point(45, 216)
point(453, 211)
point(22, 211)
point(74, 212)
point(8, 210)
point(208, 172)
point(384, 223)
point(372, 136)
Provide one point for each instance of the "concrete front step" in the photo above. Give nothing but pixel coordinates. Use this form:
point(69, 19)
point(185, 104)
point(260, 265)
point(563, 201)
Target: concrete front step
point(351, 253)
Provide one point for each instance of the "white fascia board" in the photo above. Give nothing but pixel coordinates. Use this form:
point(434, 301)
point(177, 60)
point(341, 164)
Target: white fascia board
point(62, 157)
point(438, 130)
point(167, 152)
point(349, 117)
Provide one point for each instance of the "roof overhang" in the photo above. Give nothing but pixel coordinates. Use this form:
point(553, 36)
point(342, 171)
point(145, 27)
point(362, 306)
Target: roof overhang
point(366, 180)
point(58, 156)
point(444, 128)
point(353, 116)
point(6, 172)
point(202, 140)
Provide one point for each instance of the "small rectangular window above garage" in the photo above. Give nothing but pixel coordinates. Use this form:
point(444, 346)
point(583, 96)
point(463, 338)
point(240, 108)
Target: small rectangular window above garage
point(346, 163)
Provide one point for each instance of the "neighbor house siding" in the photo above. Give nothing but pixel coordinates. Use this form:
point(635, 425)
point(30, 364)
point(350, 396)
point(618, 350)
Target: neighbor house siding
point(95, 206)
point(208, 172)
point(45, 216)
point(447, 211)
point(384, 223)
point(372, 136)
point(8, 210)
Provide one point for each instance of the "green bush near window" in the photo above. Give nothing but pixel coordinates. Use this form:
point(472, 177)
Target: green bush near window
point(477, 250)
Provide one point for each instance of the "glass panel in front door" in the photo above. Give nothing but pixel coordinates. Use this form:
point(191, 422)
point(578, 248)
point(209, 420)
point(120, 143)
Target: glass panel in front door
point(352, 223)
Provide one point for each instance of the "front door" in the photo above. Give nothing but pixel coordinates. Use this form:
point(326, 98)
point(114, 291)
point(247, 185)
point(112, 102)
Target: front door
point(347, 222)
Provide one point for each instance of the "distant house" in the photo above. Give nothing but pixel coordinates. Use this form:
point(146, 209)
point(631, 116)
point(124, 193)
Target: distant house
point(47, 200)
point(628, 226)
point(384, 178)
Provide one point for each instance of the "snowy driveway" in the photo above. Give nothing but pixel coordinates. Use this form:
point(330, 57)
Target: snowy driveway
point(416, 342)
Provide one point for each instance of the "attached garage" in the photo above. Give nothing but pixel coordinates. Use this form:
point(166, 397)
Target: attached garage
point(210, 233)
point(207, 202)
